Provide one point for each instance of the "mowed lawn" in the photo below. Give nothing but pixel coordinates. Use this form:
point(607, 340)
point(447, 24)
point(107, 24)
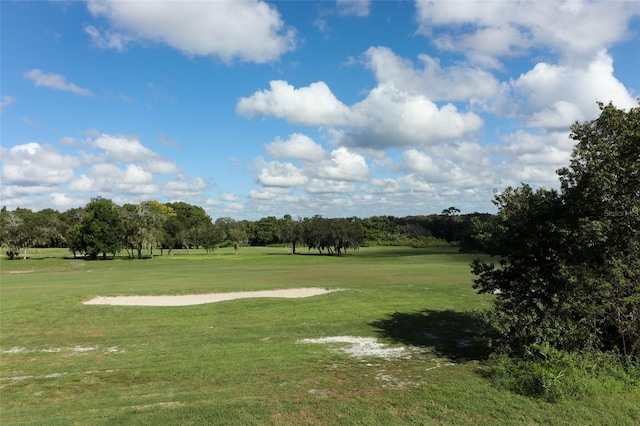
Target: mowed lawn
point(243, 361)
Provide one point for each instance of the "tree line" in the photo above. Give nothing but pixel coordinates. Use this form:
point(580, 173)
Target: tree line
point(103, 229)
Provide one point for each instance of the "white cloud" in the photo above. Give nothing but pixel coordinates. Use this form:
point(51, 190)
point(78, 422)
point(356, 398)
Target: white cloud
point(136, 175)
point(458, 82)
point(120, 148)
point(230, 197)
point(279, 174)
point(312, 105)
point(162, 166)
point(462, 165)
point(328, 186)
point(555, 96)
point(56, 82)
point(532, 158)
point(547, 83)
point(343, 165)
point(33, 165)
point(107, 39)
point(268, 193)
point(556, 116)
point(389, 117)
point(183, 187)
point(485, 31)
point(6, 101)
point(358, 8)
point(121, 168)
point(250, 31)
point(298, 146)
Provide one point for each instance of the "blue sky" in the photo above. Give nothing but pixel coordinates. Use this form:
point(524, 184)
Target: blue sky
point(340, 108)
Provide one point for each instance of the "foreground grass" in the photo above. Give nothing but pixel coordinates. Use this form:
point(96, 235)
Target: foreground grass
point(240, 362)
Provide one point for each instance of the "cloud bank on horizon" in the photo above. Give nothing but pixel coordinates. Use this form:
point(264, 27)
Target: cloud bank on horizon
point(256, 108)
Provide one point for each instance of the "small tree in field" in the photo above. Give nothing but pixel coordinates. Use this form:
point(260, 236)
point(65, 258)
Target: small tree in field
point(569, 274)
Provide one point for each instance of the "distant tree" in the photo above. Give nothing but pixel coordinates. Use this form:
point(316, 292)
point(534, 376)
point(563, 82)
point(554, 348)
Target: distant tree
point(21, 230)
point(182, 229)
point(140, 224)
point(265, 231)
point(291, 231)
point(210, 235)
point(569, 273)
point(160, 213)
point(101, 228)
point(238, 234)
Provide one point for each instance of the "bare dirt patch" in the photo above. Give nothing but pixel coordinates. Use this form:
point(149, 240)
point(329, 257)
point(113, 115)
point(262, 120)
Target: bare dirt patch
point(361, 347)
point(200, 299)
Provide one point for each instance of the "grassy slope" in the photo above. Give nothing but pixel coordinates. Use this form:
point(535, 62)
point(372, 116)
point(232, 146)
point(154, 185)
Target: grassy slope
point(239, 362)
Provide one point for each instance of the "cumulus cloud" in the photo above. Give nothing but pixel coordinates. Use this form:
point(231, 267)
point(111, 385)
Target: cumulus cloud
point(485, 31)
point(343, 166)
point(118, 167)
point(555, 96)
point(182, 187)
point(462, 165)
point(250, 31)
point(358, 8)
point(458, 82)
point(298, 146)
point(328, 186)
point(34, 165)
point(312, 105)
point(120, 148)
point(389, 117)
point(280, 174)
point(56, 82)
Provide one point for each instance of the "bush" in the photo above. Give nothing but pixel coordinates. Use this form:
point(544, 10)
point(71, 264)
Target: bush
point(555, 376)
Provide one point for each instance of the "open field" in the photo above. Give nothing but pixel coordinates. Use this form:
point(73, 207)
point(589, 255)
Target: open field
point(394, 346)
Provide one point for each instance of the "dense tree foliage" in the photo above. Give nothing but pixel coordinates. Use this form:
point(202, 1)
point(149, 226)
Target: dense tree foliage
point(569, 274)
point(101, 229)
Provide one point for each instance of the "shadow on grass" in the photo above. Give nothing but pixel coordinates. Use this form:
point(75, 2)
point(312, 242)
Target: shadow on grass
point(450, 334)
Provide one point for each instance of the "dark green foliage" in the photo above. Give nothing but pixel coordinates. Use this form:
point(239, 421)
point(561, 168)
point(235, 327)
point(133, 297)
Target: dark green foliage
point(569, 274)
point(101, 229)
point(333, 235)
point(182, 227)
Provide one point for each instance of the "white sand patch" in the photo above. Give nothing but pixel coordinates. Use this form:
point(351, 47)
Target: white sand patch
point(69, 350)
point(199, 299)
point(361, 347)
point(51, 376)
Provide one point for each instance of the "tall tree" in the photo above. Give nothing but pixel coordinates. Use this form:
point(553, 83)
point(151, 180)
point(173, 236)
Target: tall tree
point(183, 227)
point(570, 269)
point(290, 231)
point(101, 228)
point(21, 229)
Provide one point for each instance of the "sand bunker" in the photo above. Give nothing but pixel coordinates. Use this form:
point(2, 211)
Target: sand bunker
point(200, 299)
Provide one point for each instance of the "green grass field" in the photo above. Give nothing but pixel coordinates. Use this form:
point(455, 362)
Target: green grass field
point(241, 362)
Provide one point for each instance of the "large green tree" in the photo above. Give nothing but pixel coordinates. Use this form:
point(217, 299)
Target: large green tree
point(183, 225)
point(101, 229)
point(569, 269)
